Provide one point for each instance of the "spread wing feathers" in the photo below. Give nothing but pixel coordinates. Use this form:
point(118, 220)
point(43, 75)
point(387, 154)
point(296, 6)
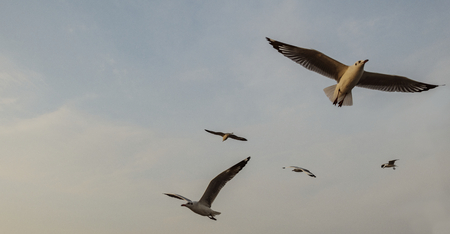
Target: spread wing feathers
point(309, 173)
point(392, 162)
point(215, 133)
point(392, 83)
point(237, 138)
point(311, 59)
point(219, 181)
point(178, 197)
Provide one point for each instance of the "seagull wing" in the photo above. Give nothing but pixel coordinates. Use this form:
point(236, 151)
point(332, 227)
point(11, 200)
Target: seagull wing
point(392, 83)
point(296, 169)
point(311, 59)
point(215, 133)
point(219, 181)
point(178, 196)
point(392, 162)
point(309, 173)
point(237, 138)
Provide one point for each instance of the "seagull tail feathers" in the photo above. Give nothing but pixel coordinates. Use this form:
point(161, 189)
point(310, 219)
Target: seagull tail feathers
point(329, 91)
point(348, 100)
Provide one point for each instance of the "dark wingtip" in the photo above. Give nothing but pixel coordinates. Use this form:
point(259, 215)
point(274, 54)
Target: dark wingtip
point(430, 86)
point(275, 44)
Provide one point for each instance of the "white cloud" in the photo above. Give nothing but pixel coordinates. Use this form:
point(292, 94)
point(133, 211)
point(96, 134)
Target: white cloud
point(18, 87)
point(67, 149)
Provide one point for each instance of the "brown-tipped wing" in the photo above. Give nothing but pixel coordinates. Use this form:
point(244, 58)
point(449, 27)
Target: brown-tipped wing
point(215, 133)
point(219, 181)
point(392, 162)
point(311, 59)
point(237, 137)
point(309, 173)
point(392, 83)
point(178, 196)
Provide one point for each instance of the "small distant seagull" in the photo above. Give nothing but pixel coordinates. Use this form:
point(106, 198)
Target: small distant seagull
point(299, 169)
point(390, 164)
point(203, 206)
point(225, 136)
point(347, 77)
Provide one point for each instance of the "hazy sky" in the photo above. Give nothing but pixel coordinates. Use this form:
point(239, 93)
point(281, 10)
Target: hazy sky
point(104, 105)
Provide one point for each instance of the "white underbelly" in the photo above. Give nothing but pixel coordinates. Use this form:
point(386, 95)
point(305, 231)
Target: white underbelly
point(204, 210)
point(348, 82)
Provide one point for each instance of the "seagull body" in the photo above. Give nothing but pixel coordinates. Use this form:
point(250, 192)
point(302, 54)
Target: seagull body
point(203, 206)
point(347, 77)
point(300, 169)
point(225, 136)
point(390, 164)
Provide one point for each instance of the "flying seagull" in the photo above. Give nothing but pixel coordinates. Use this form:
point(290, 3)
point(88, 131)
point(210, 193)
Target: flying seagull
point(299, 169)
point(203, 206)
point(390, 164)
point(347, 77)
point(225, 136)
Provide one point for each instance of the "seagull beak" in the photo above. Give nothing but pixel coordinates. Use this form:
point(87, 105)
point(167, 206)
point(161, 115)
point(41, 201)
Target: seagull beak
point(365, 61)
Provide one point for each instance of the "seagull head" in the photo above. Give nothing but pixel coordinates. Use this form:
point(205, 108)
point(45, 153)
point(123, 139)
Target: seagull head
point(187, 204)
point(361, 62)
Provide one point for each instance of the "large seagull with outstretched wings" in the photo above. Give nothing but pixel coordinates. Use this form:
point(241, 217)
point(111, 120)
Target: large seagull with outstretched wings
point(347, 77)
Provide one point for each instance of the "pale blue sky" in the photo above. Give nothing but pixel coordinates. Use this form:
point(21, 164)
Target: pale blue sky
point(103, 106)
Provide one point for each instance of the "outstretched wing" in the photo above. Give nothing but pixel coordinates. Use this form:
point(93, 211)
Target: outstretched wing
point(296, 169)
point(178, 197)
point(392, 83)
point(237, 137)
point(215, 133)
point(311, 59)
point(392, 162)
point(219, 181)
point(309, 173)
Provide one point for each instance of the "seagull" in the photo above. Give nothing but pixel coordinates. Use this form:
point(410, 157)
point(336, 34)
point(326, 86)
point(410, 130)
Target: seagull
point(390, 164)
point(299, 169)
point(225, 136)
point(203, 206)
point(347, 77)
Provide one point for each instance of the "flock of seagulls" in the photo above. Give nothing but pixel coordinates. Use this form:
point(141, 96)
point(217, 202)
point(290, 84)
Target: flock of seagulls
point(347, 77)
point(203, 206)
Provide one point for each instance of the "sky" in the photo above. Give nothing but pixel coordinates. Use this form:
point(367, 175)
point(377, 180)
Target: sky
point(104, 104)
